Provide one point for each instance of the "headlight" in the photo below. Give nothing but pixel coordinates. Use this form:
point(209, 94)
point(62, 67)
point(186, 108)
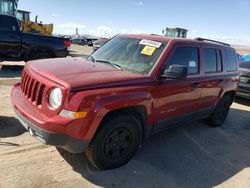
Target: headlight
point(55, 98)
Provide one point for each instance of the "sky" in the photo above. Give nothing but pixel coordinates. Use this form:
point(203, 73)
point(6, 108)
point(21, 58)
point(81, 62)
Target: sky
point(225, 20)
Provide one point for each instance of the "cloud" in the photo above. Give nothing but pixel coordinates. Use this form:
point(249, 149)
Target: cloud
point(108, 31)
point(103, 28)
point(70, 25)
point(54, 15)
point(138, 3)
point(227, 39)
point(69, 28)
point(110, 22)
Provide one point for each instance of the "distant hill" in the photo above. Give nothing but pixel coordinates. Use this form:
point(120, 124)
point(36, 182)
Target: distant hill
point(243, 50)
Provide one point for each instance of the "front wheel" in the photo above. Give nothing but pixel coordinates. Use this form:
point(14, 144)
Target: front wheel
point(115, 143)
point(220, 113)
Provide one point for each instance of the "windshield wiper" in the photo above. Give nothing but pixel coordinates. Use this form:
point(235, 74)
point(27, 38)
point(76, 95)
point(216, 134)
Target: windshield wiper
point(90, 58)
point(108, 62)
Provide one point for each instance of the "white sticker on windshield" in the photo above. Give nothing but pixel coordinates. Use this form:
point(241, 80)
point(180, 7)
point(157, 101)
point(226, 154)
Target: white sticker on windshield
point(192, 64)
point(150, 43)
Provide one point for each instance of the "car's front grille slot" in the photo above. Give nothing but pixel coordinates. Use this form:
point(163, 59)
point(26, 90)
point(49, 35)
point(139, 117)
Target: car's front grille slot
point(34, 94)
point(32, 89)
point(40, 94)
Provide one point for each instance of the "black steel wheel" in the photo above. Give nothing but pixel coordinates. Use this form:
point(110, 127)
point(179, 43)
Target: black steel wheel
point(220, 113)
point(115, 143)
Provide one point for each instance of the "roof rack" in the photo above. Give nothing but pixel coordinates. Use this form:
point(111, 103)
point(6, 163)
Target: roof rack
point(209, 40)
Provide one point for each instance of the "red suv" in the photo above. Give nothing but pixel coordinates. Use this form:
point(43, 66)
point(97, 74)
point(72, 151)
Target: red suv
point(132, 87)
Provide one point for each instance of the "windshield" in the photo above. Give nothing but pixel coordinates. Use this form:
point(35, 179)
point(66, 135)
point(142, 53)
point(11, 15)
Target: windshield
point(133, 55)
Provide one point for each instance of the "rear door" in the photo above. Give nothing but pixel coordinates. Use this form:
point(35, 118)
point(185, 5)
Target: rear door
point(178, 99)
point(10, 38)
point(212, 83)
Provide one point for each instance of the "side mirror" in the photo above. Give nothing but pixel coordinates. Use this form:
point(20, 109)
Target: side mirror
point(176, 72)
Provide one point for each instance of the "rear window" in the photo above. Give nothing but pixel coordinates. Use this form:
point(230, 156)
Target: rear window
point(230, 61)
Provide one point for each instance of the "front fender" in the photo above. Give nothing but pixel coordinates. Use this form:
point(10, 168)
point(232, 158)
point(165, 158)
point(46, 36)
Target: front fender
point(106, 104)
point(115, 102)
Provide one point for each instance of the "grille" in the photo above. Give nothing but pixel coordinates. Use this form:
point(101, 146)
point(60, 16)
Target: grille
point(244, 89)
point(32, 89)
point(246, 78)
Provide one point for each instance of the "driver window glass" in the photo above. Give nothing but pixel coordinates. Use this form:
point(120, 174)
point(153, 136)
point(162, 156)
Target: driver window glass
point(187, 57)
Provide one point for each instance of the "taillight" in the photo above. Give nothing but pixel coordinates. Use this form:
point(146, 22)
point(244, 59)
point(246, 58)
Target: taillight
point(67, 43)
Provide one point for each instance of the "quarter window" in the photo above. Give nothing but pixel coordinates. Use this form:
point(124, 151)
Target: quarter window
point(187, 57)
point(230, 60)
point(212, 60)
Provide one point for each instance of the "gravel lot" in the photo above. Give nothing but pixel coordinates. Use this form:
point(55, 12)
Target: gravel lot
point(194, 155)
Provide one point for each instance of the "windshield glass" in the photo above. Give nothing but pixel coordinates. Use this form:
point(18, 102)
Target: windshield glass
point(133, 55)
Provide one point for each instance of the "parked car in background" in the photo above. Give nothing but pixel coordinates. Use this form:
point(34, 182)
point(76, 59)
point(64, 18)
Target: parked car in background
point(246, 57)
point(132, 87)
point(18, 46)
point(240, 57)
point(90, 41)
point(244, 85)
point(75, 40)
point(82, 41)
point(98, 43)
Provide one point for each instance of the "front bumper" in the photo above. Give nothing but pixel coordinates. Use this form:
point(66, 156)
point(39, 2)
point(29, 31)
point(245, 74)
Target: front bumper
point(63, 141)
point(56, 130)
point(243, 90)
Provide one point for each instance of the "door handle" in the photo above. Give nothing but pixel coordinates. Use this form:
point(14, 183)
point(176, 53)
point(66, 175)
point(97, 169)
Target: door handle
point(220, 81)
point(195, 85)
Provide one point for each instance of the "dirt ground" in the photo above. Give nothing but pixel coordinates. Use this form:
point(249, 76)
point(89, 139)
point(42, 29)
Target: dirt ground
point(194, 155)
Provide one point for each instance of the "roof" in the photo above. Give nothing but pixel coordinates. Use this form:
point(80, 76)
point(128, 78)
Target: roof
point(162, 38)
point(23, 11)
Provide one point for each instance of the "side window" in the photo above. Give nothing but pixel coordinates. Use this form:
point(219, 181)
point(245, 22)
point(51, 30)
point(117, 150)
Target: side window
point(230, 61)
point(8, 23)
point(212, 60)
point(185, 56)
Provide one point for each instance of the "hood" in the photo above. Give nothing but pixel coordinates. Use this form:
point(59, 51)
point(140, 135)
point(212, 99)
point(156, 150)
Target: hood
point(79, 73)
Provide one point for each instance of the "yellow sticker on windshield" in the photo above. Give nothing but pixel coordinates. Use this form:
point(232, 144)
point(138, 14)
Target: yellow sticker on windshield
point(148, 50)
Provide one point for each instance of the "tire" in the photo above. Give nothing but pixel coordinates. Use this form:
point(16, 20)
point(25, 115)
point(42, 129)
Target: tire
point(115, 143)
point(220, 113)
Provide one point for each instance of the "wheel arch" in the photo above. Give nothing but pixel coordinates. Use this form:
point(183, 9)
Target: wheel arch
point(137, 111)
point(231, 94)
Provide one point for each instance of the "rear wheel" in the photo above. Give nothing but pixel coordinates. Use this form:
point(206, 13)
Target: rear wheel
point(115, 143)
point(220, 113)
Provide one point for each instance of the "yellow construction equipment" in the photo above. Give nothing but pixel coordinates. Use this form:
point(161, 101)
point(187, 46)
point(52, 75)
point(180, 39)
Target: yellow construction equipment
point(34, 27)
point(9, 7)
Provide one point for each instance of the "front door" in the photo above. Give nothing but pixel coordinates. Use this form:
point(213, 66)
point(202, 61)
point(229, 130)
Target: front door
point(177, 100)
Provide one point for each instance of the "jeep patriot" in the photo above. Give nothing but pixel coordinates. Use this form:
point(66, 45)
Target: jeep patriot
point(132, 87)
